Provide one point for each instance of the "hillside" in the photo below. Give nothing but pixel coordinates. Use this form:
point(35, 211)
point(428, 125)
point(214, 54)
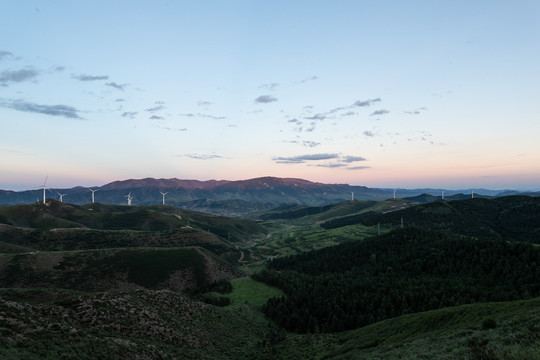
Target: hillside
point(405, 271)
point(179, 269)
point(515, 218)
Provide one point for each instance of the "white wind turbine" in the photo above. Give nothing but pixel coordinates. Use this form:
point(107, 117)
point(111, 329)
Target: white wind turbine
point(93, 191)
point(163, 195)
point(352, 195)
point(129, 198)
point(45, 188)
point(61, 196)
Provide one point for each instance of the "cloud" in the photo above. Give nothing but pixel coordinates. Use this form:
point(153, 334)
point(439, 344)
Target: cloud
point(362, 103)
point(202, 156)
point(379, 112)
point(94, 78)
point(172, 129)
point(116, 86)
point(156, 108)
point(312, 78)
point(416, 111)
point(204, 103)
point(303, 158)
point(120, 100)
point(369, 133)
point(18, 75)
point(350, 159)
point(155, 117)
point(334, 165)
point(311, 143)
point(5, 54)
point(295, 121)
point(318, 117)
point(358, 167)
point(129, 114)
point(60, 68)
point(271, 86)
point(265, 99)
point(207, 116)
point(53, 110)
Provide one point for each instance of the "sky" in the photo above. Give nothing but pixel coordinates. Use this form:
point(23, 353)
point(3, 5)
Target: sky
point(398, 94)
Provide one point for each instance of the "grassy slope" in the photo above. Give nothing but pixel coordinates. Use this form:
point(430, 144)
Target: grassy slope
point(450, 333)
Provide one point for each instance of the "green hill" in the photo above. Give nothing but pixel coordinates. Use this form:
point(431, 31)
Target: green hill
point(513, 218)
point(410, 270)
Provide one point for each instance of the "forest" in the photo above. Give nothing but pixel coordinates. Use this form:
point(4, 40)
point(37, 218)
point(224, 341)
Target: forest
point(408, 270)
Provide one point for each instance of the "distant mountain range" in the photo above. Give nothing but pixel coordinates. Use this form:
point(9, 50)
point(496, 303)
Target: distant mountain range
point(231, 197)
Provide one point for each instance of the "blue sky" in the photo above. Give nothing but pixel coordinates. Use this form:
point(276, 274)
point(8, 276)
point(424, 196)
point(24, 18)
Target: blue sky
point(385, 94)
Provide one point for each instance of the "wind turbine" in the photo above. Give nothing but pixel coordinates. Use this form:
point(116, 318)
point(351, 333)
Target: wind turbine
point(394, 193)
point(129, 198)
point(352, 195)
point(93, 191)
point(61, 196)
point(163, 195)
point(44, 184)
point(442, 196)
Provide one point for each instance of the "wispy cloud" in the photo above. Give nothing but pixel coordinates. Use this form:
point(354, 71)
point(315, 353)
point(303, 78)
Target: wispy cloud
point(116, 86)
point(303, 158)
point(5, 54)
point(368, 133)
point(416, 111)
point(156, 108)
point(350, 159)
point(129, 114)
point(358, 167)
point(206, 116)
point(52, 110)
point(155, 117)
point(271, 86)
point(204, 103)
point(363, 103)
point(85, 77)
point(311, 78)
point(379, 112)
point(322, 160)
point(202, 156)
point(18, 75)
point(265, 99)
point(333, 165)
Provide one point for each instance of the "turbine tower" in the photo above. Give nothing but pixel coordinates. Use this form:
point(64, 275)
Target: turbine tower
point(93, 191)
point(352, 195)
point(44, 184)
point(472, 194)
point(394, 193)
point(61, 196)
point(163, 195)
point(129, 198)
point(442, 196)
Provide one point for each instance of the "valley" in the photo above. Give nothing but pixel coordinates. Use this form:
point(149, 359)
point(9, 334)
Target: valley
point(456, 279)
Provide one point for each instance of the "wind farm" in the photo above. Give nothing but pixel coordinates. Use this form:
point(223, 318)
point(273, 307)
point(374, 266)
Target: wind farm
point(272, 180)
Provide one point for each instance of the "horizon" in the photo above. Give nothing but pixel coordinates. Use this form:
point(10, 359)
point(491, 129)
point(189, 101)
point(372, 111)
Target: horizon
point(22, 189)
point(412, 95)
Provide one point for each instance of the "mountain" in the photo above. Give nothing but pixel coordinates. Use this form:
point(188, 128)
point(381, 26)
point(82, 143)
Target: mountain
point(233, 198)
point(221, 197)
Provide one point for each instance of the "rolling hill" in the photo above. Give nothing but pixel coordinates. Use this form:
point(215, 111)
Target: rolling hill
point(512, 218)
